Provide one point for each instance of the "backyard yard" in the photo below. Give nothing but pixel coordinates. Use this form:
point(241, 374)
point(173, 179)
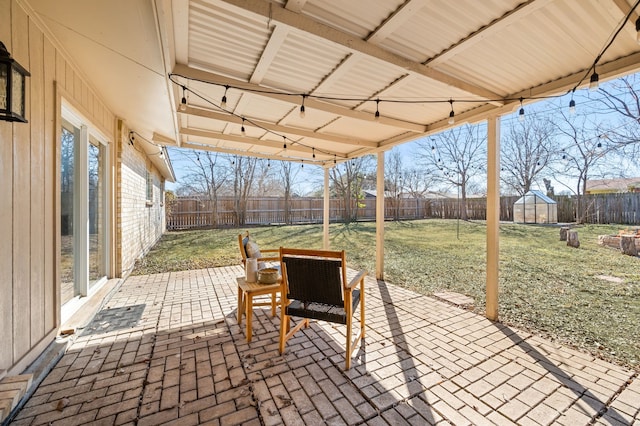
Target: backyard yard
point(588, 298)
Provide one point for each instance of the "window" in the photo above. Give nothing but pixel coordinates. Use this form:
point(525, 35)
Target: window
point(149, 188)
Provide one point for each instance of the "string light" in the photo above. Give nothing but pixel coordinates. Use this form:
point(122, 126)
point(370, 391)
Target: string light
point(223, 104)
point(377, 115)
point(334, 159)
point(593, 81)
point(284, 146)
point(452, 114)
point(183, 104)
point(313, 150)
point(572, 106)
point(268, 162)
point(302, 164)
point(302, 112)
point(521, 112)
point(242, 130)
point(638, 30)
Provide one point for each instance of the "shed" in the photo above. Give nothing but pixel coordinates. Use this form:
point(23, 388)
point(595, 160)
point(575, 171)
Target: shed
point(535, 207)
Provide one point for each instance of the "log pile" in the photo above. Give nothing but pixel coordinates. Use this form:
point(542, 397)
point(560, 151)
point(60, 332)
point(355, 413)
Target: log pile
point(627, 242)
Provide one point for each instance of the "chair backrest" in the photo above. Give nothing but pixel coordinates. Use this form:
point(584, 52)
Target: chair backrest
point(242, 243)
point(314, 275)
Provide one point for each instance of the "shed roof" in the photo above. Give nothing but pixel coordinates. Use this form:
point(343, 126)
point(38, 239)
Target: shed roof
point(535, 196)
point(413, 56)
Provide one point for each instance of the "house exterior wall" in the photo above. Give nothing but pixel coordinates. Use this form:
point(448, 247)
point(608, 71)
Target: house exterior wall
point(141, 221)
point(30, 180)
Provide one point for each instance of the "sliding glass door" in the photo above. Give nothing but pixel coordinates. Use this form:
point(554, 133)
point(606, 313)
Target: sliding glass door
point(83, 208)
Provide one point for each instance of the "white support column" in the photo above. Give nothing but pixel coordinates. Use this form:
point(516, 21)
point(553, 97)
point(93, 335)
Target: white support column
point(493, 215)
point(325, 208)
point(380, 217)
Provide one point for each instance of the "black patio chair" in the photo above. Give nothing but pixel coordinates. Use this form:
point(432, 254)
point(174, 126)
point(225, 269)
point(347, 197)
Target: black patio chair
point(315, 286)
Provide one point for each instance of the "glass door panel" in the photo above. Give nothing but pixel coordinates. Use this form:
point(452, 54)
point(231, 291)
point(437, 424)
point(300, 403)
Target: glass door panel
point(67, 212)
point(97, 264)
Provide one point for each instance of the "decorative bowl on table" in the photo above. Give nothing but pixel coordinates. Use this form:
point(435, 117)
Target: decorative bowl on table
point(268, 276)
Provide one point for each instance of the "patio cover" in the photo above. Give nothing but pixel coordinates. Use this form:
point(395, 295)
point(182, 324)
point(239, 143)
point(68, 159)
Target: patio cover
point(483, 55)
point(413, 61)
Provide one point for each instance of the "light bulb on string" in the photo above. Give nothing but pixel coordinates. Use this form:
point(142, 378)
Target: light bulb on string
point(377, 114)
point(594, 81)
point(302, 164)
point(452, 114)
point(521, 112)
point(334, 159)
point(284, 146)
point(572, 106)
point(183, 104)
point(638, 30)
point(302, 112)
point(313, 150)
point(242, 129)
point(268, 162)
point(223, 104)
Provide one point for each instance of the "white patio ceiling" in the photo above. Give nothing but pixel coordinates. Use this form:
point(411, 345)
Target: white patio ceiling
point(412, 55)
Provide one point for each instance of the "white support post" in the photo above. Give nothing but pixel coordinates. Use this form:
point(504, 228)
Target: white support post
point(493, 215)
point(380, 217)
point(325, 216)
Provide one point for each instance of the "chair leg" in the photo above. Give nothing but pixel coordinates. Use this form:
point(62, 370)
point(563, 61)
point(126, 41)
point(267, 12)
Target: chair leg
point(284, 329)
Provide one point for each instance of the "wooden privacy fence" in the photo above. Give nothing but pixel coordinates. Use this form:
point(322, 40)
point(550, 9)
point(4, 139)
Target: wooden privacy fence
point(192, 213)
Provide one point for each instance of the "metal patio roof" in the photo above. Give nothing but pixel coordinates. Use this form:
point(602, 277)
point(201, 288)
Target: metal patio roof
point(413, 56)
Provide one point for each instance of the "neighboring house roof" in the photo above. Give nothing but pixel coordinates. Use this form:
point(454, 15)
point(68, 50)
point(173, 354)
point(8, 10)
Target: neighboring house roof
point(602, 186)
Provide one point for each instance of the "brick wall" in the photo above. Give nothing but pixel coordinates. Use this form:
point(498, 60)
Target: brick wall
point(141, 221)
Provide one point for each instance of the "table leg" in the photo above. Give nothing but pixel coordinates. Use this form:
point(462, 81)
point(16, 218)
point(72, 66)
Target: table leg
point(249, 303)
point(273, 304)
point(240, 305)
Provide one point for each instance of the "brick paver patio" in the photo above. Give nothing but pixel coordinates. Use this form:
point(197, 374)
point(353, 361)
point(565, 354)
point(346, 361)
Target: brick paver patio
point(167, 349)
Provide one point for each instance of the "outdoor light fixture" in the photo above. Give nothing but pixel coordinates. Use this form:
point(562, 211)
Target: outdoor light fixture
point(12, 87)
point(521, 112)
point(302, 112)
point(593, 82)
point(377, 114)
point(572, 106)
point(452, 114)
point(638, 30)
point(183, 103)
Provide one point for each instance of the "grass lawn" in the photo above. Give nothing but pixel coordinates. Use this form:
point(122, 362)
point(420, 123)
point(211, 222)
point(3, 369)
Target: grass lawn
point(545, 286)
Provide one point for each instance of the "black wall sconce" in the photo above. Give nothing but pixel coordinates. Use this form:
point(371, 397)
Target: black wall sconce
point(12, 79)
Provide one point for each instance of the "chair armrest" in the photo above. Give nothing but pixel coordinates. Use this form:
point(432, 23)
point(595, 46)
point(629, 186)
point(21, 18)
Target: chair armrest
point(268, 259)
point(355, 280)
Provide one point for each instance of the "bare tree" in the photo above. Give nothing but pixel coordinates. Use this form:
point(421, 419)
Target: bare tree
point(346, 180)
point(206, 175)
point(288, 172)
point(526, 150)
point(243, 175)
point(394, 180)
point(622, 96)
point(586, 147)
point(458, 156)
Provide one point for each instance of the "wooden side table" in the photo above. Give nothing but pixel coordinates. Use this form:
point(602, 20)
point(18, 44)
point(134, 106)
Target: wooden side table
point(246, 293)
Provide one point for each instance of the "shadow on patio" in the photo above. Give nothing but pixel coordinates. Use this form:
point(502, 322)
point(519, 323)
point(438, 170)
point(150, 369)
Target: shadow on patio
point(167, 348)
